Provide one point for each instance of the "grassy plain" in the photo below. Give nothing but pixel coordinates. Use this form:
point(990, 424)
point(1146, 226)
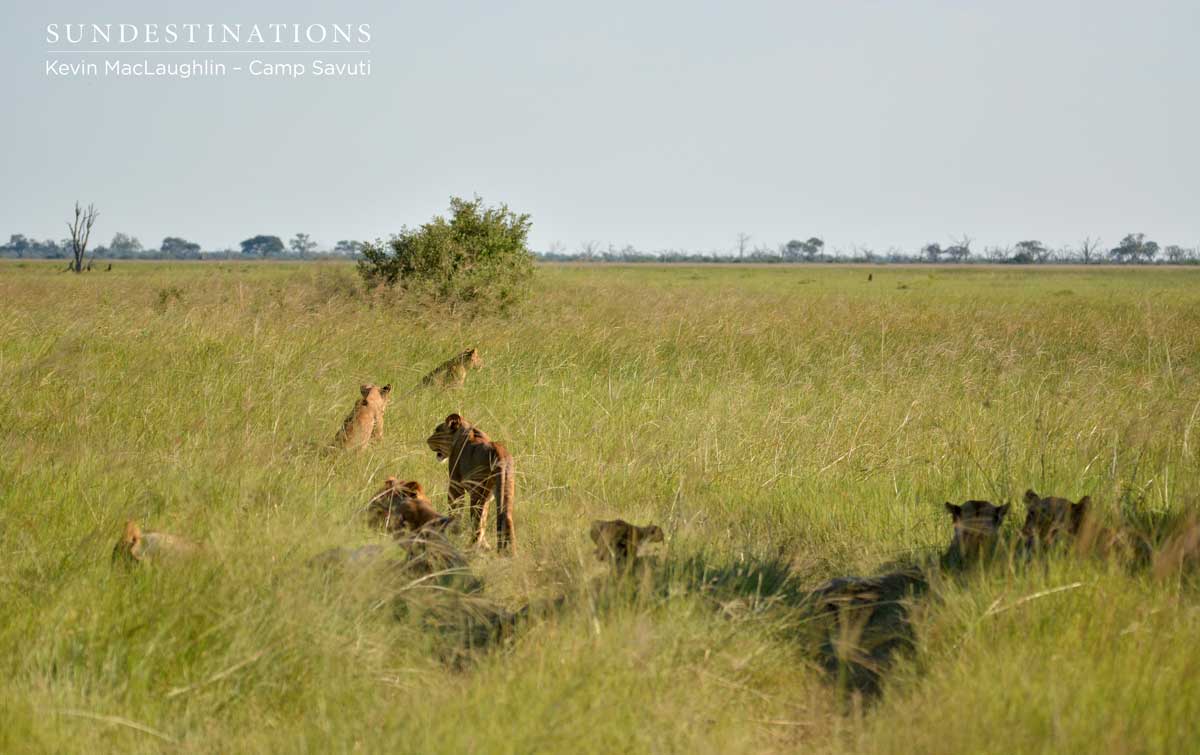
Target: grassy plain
point(783, 425)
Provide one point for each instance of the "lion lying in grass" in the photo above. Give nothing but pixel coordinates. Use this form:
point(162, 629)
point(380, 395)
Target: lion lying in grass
point(402, 505)
point(137, 546)
point(618, 541)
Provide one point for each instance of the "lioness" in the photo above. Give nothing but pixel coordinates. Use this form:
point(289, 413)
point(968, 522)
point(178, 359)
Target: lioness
point(1054, 520)
point(481, 468)
point(1049, 519)
point(429, 551)
point(366, 420)
point(976, 529)
point(136, 546)
point(402, 504)
point(864, 623)
point(453, 372)
point(617, 541)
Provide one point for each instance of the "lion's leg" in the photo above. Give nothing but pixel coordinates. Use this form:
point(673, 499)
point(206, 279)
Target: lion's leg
point(377, 427)
point(455, 492)
point(480, 495)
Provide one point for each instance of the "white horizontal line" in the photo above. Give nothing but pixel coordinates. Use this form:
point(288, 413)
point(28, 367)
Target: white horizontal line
point(200, 52)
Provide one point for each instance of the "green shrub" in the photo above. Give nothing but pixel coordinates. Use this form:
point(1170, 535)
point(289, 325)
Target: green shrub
point(478, 256)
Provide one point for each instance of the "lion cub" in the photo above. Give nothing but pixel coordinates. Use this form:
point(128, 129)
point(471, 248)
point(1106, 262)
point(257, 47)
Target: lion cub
point(402, 505)
point(617, 541)
point(366, 420)
point(136, 546)
point(453, 372)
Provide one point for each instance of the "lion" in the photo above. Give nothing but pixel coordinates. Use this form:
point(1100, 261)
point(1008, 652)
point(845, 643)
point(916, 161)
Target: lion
point(617, 541)
point(481, 468)
point(867, 620)
point(453, 372)
point(365, 422)
point(136, 546)
point(976, 530)
point(430, 551)
point(864, 623)
point(1180, 550)
point(1049, 520)
point(402, 505)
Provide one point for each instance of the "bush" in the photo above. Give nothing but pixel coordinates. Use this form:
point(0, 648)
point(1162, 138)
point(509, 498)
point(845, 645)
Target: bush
point(476, 257)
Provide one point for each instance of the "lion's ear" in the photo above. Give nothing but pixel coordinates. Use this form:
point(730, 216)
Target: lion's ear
point(1080, 510)
point(1031, 497)
point(385, 390)
point(390, 483)
point(365, 389)
point(413, 487)
point(133, 532)
point(453, 421)
point(999, 513)
point(954, 509)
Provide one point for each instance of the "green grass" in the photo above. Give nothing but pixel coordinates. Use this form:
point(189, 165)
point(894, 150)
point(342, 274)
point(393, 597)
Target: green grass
point(783, 426)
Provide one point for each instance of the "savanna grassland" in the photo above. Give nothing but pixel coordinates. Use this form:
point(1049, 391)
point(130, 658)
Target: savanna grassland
point(783, 426)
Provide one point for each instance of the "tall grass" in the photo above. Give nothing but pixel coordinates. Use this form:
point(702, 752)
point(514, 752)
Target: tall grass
point(783, 425)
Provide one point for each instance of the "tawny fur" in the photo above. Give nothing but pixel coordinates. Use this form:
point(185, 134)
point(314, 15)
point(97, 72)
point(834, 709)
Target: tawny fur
point(402, 505)
point(429, 551)
point(617, 541)
point(138, 546)
point(1052, 521)
point(453, 372)
point(482, 469)
point(1049, 520)
point(365, 422)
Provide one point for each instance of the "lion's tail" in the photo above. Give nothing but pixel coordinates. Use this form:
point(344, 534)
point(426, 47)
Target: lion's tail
point(505, 494)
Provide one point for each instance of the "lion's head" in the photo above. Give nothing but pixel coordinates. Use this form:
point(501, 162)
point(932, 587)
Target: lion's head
point(445, 434)
point(373, 395)
point(470, 358)
point(128, 548)
point(618, 541)
point(386, 509)
point(1047, 519)
point(976, 526)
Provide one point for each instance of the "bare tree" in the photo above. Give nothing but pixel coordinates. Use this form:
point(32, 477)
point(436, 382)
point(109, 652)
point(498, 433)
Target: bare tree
point(1088, 248)
point(743, 239)
point(959, 249)
point(81, 231)
point(997, 253)
point(588, 249)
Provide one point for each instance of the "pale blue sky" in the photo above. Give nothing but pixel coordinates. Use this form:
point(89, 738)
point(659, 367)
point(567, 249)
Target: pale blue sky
point(660, 124)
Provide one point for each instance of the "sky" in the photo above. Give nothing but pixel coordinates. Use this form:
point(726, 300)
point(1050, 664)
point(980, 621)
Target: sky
point(665, 125)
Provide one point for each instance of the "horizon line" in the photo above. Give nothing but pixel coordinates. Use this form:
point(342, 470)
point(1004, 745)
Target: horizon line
point(197, 52)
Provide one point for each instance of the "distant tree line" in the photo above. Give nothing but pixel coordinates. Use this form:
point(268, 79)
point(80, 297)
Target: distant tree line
point(127, 247)
point(1135, 248)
